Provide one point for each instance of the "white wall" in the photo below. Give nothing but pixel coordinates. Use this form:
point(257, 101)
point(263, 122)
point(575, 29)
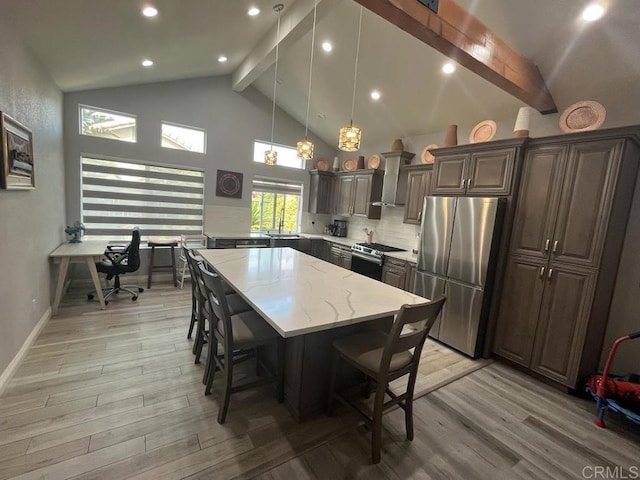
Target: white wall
point(32, 222)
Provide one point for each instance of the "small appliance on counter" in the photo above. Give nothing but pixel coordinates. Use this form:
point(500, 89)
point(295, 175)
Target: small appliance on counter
point(339, 228)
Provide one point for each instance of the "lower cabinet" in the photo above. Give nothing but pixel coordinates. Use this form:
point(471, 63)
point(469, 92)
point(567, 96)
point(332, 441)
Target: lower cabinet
point(340, 255)
point(544, 314)
point(399, 273)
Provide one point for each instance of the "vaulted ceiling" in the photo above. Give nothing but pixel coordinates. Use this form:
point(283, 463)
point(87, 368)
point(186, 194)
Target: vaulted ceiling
point(89, 44)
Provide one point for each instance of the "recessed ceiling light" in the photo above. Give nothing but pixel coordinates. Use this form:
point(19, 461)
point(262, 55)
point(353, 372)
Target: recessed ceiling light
point(321, 116)
point(253, 11)
point(593, 12)
point(147, 63)
point(375, 94)
point(327, 47)
point(448, 68)
point(149, 11)
point(222, 59)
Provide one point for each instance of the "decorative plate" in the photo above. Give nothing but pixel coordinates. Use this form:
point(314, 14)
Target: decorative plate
point(582, 117)
point(322, 164)
point(483, 132)
point(350, 164)
point(374, 161)
point(427, 158)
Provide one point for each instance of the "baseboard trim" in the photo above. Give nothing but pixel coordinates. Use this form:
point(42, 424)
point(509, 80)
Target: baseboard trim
point(11, 369)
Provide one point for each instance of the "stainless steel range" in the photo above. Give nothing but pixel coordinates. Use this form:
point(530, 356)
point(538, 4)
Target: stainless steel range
point(367, 258)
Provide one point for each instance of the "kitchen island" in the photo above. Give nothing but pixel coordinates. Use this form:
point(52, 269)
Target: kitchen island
point(309, 302)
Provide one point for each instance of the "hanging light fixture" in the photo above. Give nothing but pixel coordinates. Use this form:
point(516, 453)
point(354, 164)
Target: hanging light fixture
point(349, 139)
point(271, 156)
point(305, 147)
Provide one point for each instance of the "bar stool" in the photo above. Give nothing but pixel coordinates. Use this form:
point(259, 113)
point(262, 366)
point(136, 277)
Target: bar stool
point(153, 267)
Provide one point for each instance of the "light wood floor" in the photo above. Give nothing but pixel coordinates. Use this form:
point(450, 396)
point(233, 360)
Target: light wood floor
point(115, 394)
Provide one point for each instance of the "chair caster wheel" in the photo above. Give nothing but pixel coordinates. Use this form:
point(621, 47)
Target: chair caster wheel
point(90, 297)
point(140, 289)
point(106, 302)
point(117, 292)
point(133, 299)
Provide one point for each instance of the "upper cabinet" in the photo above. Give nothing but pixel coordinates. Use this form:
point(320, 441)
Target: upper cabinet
point(480, 169)
point(418, 182)
point(320, 192)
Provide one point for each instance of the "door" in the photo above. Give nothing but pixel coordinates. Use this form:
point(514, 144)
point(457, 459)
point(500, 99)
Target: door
point(583, 214)
point(431, 287)
point(490, 173)
point(450, 174)
point(475, 223)
point(566, 305)
point(417, 188)
point(519, 309)
point(361, 195)
point(410, 284)
point(344, 185)
point(334, 256)
point(393, 277)
point(538, 200)
point(320, 193)
point(435, 237)
point(460, 321)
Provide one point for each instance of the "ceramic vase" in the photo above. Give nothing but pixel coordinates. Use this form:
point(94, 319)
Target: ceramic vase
point(521, 127)
point(397, 145)
point(451, 136)
point(336, 164)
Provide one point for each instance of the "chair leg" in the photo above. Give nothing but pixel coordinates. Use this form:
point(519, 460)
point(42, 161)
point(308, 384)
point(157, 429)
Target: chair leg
point(151, 260)
point(211, 364)
point(228, 379)
point(193, 316)
point(376, 428)
point(200, 333)
point(173, 267)
point(332, 384)
point(408, 404)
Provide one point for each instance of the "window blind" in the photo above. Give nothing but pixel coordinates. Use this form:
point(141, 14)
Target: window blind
point(163, 202)
point(262, 184)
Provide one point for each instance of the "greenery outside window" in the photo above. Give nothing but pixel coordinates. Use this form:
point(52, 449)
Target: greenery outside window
point(275, 204)
point(102, 123)
point(287, 156)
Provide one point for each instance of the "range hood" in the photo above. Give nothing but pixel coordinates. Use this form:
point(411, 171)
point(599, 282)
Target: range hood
point(394, 184)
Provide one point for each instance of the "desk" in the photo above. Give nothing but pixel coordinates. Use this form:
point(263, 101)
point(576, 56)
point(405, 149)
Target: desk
point(310, 303)
point(85, 252)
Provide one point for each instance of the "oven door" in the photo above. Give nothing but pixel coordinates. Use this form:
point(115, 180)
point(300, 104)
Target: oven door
point(367, 266)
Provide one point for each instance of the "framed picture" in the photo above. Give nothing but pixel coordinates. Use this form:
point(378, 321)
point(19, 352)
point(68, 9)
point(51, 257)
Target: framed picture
point(229, 184)
point(16, 148)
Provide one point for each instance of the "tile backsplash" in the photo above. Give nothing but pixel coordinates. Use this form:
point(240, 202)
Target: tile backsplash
point(388, 230)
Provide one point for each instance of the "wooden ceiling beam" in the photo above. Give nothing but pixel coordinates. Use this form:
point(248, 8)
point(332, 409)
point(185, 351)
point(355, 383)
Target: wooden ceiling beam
point(462, 37)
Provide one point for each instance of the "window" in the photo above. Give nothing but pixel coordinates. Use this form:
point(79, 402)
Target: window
point(273, 201)
point(118, 195)
point(287, 156)
point(107, 124)
point(183, 138)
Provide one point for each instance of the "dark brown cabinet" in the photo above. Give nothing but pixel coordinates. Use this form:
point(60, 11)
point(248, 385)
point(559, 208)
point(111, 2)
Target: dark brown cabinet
point(572, 206)
point(355, 191)
point(340, 255)
point(418, 181)
point(411, 277)
point(320, 192)
point(399, 273)
point(476, 169)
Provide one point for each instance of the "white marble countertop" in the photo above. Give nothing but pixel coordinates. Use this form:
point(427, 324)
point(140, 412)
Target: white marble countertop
point(299, 294)
point(237, 235)
point(407, 256)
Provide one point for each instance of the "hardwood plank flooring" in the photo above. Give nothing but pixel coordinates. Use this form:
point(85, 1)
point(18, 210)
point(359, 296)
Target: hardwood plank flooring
point(115, 394)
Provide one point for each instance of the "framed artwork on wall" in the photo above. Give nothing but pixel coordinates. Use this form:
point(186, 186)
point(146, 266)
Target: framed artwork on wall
point(16, 150)
point(229, 184)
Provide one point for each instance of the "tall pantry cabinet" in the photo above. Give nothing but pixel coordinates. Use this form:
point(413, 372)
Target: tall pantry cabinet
point(571, 214)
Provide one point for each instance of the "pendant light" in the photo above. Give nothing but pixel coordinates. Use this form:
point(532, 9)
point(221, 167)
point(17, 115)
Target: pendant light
point(271, 156)
point(305, 147)
point(349, 139)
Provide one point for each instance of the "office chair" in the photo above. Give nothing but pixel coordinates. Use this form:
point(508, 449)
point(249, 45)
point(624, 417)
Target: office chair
point(119, 262)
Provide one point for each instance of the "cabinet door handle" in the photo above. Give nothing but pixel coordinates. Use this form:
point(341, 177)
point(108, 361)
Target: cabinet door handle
point(546, 245)
point(464, 181)
point(549, 273)
point(541, 272)
point(420, 215)
point(555, 246)
point(468, 183)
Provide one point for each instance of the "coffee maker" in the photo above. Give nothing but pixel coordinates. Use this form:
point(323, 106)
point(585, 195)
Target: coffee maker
point(339, 228)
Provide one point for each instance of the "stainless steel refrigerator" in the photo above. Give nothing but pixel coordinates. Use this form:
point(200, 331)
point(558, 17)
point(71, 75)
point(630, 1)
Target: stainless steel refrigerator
point(459, 244)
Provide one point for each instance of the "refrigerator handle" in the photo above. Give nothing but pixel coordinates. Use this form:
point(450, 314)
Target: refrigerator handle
point(555, 246)
point(541, 272)
point(546, 245)
point(549, 274)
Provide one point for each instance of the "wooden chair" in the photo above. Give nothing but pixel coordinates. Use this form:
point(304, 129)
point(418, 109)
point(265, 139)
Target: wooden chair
point(240, 335)
point(188, 242)
point(383, 358)
point(200, 310)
